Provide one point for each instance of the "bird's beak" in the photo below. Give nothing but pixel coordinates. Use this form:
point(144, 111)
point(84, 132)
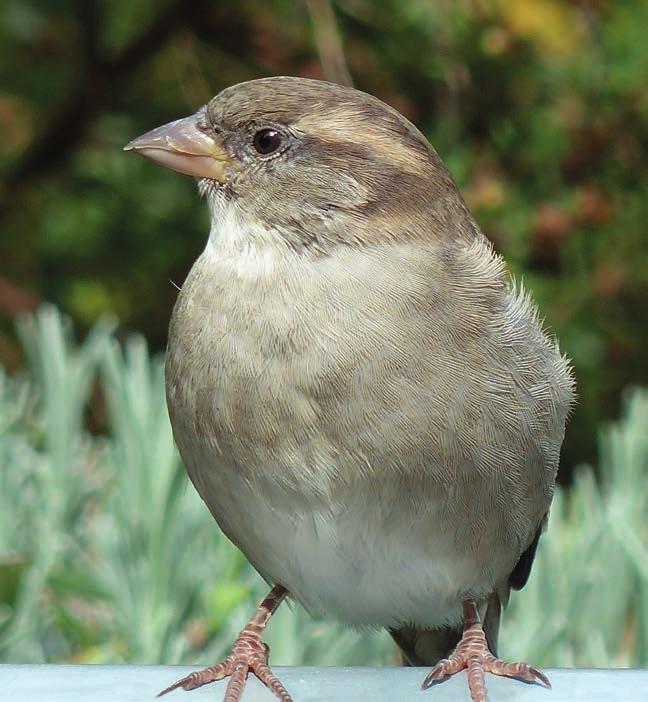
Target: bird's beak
point(184, 147)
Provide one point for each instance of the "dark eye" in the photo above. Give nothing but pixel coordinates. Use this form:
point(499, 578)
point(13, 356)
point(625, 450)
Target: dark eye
point(267, 140)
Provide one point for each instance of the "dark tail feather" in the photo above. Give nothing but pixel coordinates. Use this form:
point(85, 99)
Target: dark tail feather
point(491, 621)
point(425, 647)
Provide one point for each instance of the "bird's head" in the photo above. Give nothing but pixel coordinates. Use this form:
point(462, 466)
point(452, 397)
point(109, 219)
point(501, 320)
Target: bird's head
point(318, 163)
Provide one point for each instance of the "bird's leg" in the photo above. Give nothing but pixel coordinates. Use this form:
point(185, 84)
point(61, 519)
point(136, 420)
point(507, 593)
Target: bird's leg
point(248, 654)
point(472, 653)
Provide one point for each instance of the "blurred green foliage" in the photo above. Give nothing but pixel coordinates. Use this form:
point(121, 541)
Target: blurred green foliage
point(108, 555)
point(539, 108)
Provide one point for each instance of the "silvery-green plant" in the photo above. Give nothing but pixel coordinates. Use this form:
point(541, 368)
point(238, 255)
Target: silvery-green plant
point(46, 463)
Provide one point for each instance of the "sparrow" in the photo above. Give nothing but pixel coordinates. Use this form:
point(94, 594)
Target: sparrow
point(366, 402)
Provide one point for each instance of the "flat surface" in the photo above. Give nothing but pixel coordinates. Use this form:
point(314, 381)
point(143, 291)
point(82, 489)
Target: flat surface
point(130, 683)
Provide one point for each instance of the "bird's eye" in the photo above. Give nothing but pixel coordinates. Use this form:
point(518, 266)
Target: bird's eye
point(266, 141)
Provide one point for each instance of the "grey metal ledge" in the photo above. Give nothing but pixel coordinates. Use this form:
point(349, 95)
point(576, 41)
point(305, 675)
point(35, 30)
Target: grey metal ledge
point(130, 683)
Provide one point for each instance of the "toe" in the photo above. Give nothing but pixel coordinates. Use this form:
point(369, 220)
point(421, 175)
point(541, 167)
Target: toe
point(520, 671)
point(272, 682)
point(236, 683)
point(199, 678)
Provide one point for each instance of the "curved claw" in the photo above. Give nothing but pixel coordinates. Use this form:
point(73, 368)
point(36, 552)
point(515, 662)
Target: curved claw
point(539, 675)
point(443, 669)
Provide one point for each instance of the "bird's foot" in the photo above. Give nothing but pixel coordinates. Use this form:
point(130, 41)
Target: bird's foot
point(249, 654)
point(472, 653)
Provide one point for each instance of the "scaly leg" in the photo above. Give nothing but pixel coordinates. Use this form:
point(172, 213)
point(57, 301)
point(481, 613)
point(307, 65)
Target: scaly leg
point(472, 652)
point(248, 654)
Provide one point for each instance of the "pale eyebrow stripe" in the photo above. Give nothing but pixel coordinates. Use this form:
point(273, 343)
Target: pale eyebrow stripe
point(331, 127)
